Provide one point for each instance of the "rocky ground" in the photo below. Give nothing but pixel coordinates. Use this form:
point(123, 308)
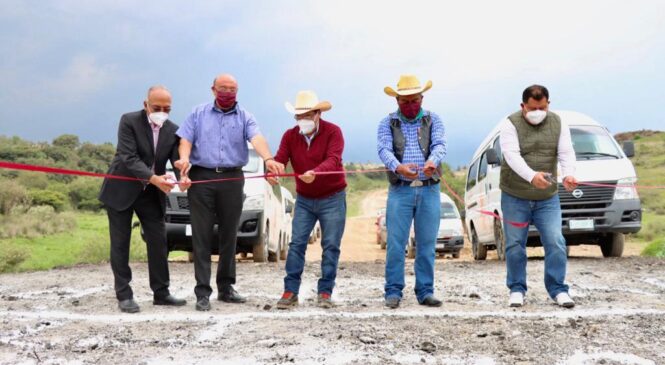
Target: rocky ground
point(70, 316)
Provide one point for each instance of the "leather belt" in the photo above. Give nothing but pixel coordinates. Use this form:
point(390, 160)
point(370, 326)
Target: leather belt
point(424, 183)
point(222, 169)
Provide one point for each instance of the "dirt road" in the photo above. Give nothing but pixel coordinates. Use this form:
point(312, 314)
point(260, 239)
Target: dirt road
point(69, 315)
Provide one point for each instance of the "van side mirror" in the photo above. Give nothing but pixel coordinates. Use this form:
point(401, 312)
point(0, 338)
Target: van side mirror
point(492, 157)
point(462, 214)
point(289, 208)
point(629, 148)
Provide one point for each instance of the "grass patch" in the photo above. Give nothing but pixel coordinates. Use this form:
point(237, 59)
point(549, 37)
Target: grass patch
point(655, 248)
point(86, 242)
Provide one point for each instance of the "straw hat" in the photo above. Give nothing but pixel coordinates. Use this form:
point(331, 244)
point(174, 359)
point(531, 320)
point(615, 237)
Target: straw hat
point(307, 101)
point(408, 85)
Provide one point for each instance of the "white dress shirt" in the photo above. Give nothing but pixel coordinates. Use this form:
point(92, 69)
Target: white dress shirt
point(510, 148)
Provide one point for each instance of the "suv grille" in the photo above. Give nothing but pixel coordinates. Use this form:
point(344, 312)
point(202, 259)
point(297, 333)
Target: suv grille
point(183, 203)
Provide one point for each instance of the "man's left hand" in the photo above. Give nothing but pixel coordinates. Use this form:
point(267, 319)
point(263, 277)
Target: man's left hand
point(429, 168)
point(308, 177)
point(570, 183)
point(275, 167)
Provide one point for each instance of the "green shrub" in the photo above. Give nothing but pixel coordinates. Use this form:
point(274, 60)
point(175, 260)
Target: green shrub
point(11, 257)
point(83, 193)
point(655, 248)
point(12, 194)
point(55, 199)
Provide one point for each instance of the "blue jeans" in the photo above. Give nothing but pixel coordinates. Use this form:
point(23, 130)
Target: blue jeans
point(546, 216)
point(331, 213)
point(422, 206)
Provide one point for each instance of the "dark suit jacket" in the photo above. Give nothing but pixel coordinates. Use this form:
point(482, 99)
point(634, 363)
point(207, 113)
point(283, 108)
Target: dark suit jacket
point(134, 157)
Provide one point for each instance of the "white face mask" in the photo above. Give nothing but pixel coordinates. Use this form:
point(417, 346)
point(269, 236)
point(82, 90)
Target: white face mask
point(536, 117)
point(306, 126)
point(158, 118)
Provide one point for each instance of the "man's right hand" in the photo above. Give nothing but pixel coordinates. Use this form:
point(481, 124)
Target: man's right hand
point(183, 166)
point(409, 170)
point(162, 182)
point(540, 181)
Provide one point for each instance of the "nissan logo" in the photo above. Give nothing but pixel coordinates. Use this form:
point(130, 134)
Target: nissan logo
point(577, 193)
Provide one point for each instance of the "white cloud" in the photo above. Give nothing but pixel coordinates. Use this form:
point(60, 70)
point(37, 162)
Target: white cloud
point(80, 79)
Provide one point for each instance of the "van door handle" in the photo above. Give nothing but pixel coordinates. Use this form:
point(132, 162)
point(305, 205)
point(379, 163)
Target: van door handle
point(473, 205)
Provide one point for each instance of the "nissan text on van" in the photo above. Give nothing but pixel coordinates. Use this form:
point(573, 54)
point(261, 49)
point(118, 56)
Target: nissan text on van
point(594, 215)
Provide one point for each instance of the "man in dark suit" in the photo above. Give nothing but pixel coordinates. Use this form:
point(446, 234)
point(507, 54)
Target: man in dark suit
point(146, 140)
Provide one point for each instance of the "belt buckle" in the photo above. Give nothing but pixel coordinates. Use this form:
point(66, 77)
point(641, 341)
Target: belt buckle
point(416, 183)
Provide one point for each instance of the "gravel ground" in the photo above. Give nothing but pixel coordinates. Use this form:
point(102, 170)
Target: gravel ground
point(70, 316)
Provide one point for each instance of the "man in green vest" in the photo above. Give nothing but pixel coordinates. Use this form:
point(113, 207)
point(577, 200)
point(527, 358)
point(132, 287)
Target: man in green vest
point(533, 141)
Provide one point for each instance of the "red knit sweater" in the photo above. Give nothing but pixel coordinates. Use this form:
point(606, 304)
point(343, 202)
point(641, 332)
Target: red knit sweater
point(323, 154)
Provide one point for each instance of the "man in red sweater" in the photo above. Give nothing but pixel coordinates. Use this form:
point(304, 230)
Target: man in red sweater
point(314, 146)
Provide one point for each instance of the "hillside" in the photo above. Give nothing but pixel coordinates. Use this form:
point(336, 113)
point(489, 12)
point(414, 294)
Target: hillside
point(649, 162)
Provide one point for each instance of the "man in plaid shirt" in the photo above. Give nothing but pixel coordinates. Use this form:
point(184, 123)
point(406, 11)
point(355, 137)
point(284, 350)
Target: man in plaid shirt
point(411, 143)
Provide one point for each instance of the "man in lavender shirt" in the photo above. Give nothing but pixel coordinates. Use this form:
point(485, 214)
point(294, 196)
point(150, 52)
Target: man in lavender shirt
point(213, 142)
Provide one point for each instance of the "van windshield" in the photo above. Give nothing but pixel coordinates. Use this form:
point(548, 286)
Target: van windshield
point(253, 164)
point(592, 142)
point(448, 211)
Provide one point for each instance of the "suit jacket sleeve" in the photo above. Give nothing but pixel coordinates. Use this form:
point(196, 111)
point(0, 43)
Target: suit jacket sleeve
point(127, 150)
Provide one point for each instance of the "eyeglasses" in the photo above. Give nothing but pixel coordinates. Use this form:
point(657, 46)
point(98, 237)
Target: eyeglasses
point(157, 109)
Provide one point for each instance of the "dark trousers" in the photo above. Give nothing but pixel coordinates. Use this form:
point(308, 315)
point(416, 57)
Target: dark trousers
point(210, 203)
point(151, 216)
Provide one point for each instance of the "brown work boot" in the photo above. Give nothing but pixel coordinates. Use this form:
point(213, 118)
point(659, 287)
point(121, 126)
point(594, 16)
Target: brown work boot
point(287, 301)
point(323, 301)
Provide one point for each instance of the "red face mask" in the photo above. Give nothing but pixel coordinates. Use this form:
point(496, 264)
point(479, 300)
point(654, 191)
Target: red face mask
point(225, 99)
point(410, 110)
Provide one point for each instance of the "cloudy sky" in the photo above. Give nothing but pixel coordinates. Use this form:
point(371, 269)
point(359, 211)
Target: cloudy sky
point(76, 66)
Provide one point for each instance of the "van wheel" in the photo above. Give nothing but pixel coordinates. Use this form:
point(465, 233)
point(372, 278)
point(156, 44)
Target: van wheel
point(274, 256)
point(499, 240)
point(479, 250)
point(260, 251)
point(190, 256)
point(383, 244)
point(456, 255)
point(411, 250)
point(612, 245)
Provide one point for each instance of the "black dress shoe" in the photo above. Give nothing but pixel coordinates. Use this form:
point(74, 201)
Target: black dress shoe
point(230, 295)
point(203, 304)
point(431, 302)
point(128, 306)
point(169, 300)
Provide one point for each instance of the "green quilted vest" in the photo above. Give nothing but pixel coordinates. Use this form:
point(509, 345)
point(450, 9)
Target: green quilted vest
point(539, 148)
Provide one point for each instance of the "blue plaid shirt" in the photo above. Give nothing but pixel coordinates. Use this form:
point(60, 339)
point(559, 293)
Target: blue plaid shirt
point(412, 152)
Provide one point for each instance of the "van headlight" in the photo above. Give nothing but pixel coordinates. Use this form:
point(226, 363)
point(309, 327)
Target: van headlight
point(626, 189)
point(254, 202)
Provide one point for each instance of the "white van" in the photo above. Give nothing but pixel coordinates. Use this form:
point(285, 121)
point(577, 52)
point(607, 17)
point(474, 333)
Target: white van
point(261, 229)
point(288, 202)
point(450, 238)
point(590, 215)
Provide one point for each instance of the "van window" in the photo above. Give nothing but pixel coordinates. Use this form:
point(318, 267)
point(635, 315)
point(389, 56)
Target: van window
point(471, 177)
point(592, 142)
point(277, 190)
point(497, 148)
point(482, 170)
point(448, 211)
point(253, 162)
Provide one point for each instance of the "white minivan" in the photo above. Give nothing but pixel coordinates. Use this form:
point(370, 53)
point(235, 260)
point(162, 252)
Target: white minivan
point(595, 215)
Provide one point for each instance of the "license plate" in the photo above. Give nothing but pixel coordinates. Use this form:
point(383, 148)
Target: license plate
point(581, 224)
point(188, 230)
